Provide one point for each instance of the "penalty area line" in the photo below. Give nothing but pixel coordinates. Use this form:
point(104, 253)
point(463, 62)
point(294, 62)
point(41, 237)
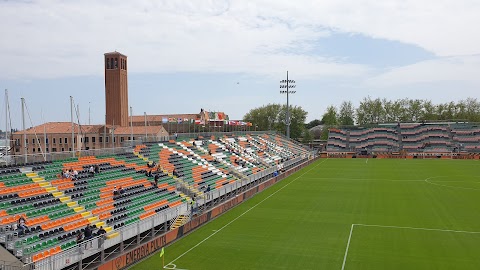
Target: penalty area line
point(241, 215)
point(396, 227)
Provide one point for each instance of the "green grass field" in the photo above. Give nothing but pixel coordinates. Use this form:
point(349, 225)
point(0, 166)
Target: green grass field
point(346, 214)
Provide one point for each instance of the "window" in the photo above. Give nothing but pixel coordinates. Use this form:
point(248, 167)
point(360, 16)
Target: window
point(116, 63)
point(46, 140)
point(46, 149)
point(87, 148)
point(39, 150)
point(69, 149)
point(106, 139)
point(107, 63)
point(63, 149)
point(86, 139)
point(54, 149)
point(60, 139)
point(54, 140)
point(100, 139)
point(66, 141)
point(125, 64)
point(33, 150)
point(114, 139)
point(93, 139)
point(122, 139)
point(26, 141)
point(33, 141)
point(75, 140)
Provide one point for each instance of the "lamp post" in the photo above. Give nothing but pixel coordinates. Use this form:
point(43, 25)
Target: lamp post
point(287, 85)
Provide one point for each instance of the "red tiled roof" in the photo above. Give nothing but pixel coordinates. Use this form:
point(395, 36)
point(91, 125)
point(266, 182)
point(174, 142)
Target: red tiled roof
point(66, 128)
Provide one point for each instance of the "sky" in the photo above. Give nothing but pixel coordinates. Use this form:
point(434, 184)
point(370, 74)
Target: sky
point(230, 55)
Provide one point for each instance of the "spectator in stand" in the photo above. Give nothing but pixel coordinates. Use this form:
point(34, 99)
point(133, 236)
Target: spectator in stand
point(157, 176)
point(91, 170)
point(101, 231)
point(21, 225)
point(115, 191)
point(97, 169)
point(75, 175)
point(207, 192)
point(66, 174)
point(79, 241)
point(88, 235)
point(120, 190)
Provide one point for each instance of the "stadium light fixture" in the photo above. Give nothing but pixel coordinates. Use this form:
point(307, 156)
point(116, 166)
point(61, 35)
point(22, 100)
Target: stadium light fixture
point(286, 85)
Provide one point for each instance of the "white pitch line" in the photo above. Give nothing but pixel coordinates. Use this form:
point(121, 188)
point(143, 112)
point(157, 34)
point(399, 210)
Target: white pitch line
point(440, 185)
point(251, 208)
point(365, 179)
point(348, 245)
point(416, 228)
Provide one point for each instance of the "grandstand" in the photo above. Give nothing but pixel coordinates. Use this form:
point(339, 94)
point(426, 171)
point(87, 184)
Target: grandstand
point(407, 138)
point(195, 171)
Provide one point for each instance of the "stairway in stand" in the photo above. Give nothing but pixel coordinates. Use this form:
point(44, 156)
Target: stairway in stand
point(181, 219)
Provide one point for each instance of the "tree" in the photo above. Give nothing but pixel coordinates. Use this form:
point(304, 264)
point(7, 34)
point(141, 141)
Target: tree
point(313, 123)
point(329, 118)
point(297, 121)
point(428, 111)
point(324, 135)
point(272, 117)
point(265, 117)
point(346, 114)
point(472, 107)
point(307, 136)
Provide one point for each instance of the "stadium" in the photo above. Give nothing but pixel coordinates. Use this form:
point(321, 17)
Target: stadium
point(373, 164)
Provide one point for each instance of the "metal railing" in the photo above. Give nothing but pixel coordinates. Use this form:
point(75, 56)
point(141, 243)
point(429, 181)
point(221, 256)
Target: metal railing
point(99, 244)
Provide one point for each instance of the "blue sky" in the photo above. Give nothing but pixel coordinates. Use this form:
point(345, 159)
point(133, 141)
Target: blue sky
point(230, 55)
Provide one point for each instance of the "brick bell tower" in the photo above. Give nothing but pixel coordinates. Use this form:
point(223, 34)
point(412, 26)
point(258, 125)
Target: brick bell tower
point(116, 89)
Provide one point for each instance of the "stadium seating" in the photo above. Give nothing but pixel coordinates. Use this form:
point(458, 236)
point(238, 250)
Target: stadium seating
point(56, 209)
point(428, 138)
point(466, 137)
point(337, 140)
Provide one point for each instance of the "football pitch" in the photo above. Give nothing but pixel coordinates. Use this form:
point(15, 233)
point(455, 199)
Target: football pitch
point(346, 214)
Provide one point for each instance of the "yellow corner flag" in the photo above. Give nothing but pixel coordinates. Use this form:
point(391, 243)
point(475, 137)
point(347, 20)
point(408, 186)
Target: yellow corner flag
point(162, 252)
point(163, 257)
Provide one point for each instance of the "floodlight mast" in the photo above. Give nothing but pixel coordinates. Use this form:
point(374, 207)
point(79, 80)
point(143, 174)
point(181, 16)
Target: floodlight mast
point(287, 85)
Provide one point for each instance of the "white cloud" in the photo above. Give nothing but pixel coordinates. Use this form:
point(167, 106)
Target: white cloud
point(446, 69)
point(445, 27)
point(64, 38)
